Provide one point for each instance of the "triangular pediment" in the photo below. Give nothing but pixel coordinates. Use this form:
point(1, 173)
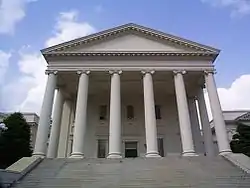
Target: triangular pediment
point(129, 43)
point(128, 38)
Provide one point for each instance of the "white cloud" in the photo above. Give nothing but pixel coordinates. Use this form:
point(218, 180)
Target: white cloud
point(31, 84)
point(68, 28)
point(238, 7)
point(4, 63)
point(33, 66)
point(19, 95)
point(11, 12)
point(236, 97)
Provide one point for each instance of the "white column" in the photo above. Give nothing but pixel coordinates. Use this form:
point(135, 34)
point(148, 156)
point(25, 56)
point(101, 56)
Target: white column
point(150, 119)
point(45, 116)
point(219, 123)
point(70, 135)
point(115, 116)
point(195, 127)
point(81, 115)
point(65, 129)
point(56, 125)
point(183, 114)
point(207, 133)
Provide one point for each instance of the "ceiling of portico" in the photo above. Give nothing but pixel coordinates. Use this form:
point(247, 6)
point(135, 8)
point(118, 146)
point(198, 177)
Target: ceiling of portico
point(131, 82)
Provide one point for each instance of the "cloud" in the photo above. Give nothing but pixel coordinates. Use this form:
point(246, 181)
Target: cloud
point(68, 28)
point(238, 7)
point(31, 84)
point(236, 97)
point(11, 12)
point(4, 63)
point(33, 66)
point(19, 95)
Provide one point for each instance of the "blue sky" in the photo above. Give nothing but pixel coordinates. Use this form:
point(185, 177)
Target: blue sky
point(223, 24)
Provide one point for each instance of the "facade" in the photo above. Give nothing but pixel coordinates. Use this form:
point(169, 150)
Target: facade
point(129, 91)
point(231, 118)
point(32, 119)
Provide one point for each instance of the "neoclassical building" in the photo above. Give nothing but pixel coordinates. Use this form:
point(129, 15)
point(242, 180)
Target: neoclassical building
point(129, 91)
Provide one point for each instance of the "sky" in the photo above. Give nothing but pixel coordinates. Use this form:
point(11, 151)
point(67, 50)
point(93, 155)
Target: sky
point(27, 26)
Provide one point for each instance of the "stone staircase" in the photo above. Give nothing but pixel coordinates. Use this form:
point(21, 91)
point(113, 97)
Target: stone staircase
point(171, 171)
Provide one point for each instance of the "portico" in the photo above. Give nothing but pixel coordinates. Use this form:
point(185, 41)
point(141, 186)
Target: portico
point(127, 85)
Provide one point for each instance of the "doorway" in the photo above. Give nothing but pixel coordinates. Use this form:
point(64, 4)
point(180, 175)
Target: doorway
point(131, 149)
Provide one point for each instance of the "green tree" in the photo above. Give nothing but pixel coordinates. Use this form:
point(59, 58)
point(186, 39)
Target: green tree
point(15, 141)
point(241, 140)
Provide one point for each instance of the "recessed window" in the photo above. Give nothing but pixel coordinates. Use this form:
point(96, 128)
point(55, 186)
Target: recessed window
point(158, 111)
point(103, 112)
point(130, 112)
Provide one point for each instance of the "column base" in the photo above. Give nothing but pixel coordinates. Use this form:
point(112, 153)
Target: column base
point(39, 154)
point(114, 156)
point(77, 155)
point(189, 154)
point(224, 152)
point(153, 155)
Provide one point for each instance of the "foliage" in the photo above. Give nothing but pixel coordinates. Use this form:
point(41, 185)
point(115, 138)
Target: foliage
point(241, 140)
point(15, 141)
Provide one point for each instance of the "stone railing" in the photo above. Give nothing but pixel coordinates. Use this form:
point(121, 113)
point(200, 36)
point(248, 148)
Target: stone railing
point(240, 160)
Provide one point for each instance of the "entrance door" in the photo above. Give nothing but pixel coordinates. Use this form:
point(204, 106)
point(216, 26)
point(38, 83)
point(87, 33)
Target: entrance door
point(101, 150)
point(131, 149)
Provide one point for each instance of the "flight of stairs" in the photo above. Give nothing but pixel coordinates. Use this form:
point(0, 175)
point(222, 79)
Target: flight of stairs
point(170, 171)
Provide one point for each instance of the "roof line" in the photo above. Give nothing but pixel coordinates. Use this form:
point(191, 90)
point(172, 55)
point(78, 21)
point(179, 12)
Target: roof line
point(87, 36)
point(176, 38)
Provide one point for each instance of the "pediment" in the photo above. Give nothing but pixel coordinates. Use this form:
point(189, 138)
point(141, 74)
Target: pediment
point(129, 38)
point(129, 43)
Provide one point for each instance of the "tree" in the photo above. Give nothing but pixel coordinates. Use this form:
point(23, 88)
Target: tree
point(241, 140)
point(15, 140)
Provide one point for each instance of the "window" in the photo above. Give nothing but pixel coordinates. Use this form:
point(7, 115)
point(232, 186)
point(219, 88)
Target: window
point(158, 111)
point(101, 153)
point(103, 112)
point(130, 112)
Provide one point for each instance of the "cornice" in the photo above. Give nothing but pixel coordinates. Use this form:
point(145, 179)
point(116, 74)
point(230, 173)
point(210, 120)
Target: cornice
point(132, 28)
point(131, 54)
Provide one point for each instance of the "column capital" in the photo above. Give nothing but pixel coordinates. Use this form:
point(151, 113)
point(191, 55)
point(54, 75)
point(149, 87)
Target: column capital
point(115, 72)
point(147, 71)
point(79, 72)
point(206, 72)
point(47, 72)
point(179, 72)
